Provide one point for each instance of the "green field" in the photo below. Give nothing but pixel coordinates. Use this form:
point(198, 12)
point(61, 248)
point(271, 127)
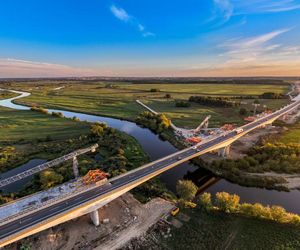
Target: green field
point(209, 89)
point(214, 230)
point(29, 125)
point(7, 94)
point(292, 135)
point(118, 99)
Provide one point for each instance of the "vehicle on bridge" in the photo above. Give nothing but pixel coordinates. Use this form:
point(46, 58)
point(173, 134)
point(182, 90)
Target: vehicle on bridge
point(239, 130)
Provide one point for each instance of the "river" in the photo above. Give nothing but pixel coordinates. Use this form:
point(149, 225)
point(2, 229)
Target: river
point(157, 148)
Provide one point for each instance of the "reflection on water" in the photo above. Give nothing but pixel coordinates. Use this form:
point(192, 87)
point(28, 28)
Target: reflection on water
point(16, 186)
point(157, 148)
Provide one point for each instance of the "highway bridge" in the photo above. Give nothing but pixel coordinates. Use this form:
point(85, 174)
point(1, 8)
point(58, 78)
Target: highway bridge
point(92, 199)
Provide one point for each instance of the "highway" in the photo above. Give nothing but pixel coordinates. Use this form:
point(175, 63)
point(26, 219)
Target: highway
point(135, 176)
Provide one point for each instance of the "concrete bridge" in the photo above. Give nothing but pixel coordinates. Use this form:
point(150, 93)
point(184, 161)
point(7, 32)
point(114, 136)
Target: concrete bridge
point(90, 200)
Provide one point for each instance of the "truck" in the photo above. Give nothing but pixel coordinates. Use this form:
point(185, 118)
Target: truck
point(239, 130)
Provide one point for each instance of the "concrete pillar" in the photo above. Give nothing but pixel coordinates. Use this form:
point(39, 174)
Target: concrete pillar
point(95, 218)
point(227, 151)
point(224, 152)
point(75, 167)
point(206, 124)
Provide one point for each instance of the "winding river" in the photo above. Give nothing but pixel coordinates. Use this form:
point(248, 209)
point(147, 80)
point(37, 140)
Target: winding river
point(157, 148)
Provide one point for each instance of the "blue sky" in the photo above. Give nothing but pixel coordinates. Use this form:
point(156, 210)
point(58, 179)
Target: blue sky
point(149, 38)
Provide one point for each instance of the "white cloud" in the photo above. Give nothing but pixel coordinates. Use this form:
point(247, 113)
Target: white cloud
point(22, 68)
point(122, 15)
point(225, 9)
point(250, 49)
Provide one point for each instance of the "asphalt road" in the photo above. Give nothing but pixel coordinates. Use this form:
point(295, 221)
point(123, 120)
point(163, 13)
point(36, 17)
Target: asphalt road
point(106, 190)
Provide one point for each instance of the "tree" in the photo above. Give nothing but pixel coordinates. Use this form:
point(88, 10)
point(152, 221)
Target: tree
point(154, 90)
point(256, 101)
point(243, 111)
point(204, 201)
point(49, 178)
point(168, 96)
point(227, 202)
point(97, 129)
point(186, 189)
point(278, 213)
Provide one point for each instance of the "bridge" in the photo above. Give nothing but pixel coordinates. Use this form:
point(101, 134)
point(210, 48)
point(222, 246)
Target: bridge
point(90, 200)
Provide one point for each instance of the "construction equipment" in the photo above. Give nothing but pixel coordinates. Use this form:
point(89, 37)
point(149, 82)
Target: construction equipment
point(193, 140)
point(95, 177)
point(227, 127)
point(175, 211)
point(250, 118)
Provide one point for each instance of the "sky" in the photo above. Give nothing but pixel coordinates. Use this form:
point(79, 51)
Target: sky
point(204, 38)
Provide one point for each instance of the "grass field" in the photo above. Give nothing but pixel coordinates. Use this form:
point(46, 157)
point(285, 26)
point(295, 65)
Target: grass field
point(118, 100)
point(221, 231)
point(28, 125)
point(292, 135)
point(208, 89)
point(6, 95)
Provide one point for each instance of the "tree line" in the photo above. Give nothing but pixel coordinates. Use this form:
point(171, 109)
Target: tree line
point(214, 101)
point(155, 122)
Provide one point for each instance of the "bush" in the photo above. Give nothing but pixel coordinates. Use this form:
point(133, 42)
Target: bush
point(182, 104)
point(214, 101)
point(154, 90)
point(186, 190)
point(39, 109)
point(226, 202)
point(156, 122)
point(204, 201)
point(243, 111)
point(58, 114)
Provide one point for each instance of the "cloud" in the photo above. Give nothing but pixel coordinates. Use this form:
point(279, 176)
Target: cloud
point(253, 48)
point(224, 10)
point(122, 15)
point(22, 68)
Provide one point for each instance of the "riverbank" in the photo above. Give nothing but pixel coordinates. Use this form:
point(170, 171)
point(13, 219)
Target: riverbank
point(27, 135)
point(214, 230)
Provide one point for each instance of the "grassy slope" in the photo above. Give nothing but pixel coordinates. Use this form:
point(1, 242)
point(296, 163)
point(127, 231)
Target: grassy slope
point(221, 231)
point(119, 101)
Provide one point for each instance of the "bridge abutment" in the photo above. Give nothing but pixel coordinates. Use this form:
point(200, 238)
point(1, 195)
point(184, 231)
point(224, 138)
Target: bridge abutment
point(95, 217)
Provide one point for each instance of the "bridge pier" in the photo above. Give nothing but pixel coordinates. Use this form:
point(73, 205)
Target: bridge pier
point(224, 152)
point(95, 218)
point(75, 167)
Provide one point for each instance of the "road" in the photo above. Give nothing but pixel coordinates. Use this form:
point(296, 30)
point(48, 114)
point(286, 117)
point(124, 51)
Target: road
point(152, 169)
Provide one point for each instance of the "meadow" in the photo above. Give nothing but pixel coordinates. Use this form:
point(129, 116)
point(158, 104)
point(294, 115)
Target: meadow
point(214, 230)
point(118, 99)
point(29, 125)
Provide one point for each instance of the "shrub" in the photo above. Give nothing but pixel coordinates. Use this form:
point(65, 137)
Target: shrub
point(186, 189)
